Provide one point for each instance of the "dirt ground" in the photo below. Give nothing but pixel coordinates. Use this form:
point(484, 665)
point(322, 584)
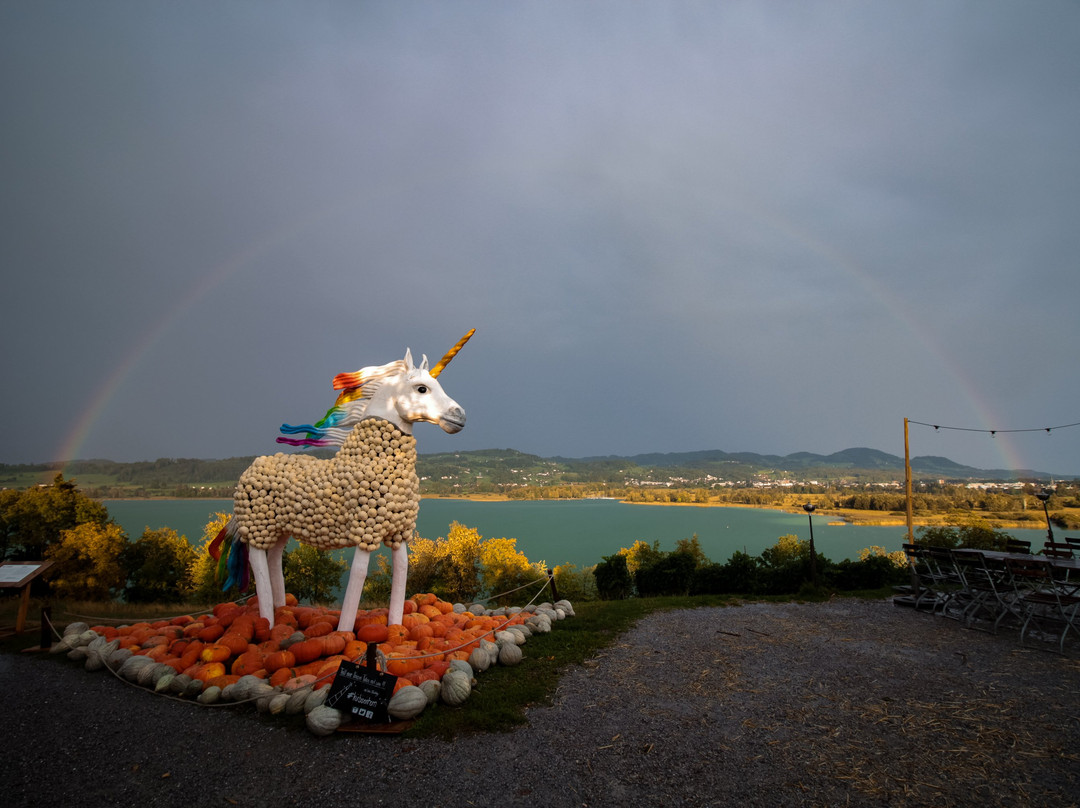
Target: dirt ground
point(843, 703)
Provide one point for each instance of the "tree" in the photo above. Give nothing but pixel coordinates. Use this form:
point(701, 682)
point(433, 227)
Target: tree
point(504, 567)
point(88, 562)
point(33, 519)
point(448, 567)
point(613, 581)
point(312, 574)
point(158, 567)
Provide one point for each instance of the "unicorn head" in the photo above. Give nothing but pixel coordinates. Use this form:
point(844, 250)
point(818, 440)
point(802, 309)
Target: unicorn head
point(413, 396)
point(400, 392)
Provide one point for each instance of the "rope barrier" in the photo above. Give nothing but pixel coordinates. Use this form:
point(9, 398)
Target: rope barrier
point(102, 620)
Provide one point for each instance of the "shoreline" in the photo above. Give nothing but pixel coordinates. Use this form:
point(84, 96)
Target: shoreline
point(839, 516)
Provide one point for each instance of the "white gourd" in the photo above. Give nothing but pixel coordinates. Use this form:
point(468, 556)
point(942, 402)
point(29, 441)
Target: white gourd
point(456, 687)
point(407, 703)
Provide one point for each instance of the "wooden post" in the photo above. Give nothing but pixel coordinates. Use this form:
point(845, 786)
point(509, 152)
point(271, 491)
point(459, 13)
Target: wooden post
point(551, 583)
point(914, 578)
point(907, 486)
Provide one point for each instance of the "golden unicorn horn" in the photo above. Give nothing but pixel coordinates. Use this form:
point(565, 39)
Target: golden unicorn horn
point(435, 371)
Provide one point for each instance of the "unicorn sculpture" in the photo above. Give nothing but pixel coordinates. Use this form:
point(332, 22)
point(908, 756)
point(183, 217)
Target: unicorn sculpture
point(366, 495)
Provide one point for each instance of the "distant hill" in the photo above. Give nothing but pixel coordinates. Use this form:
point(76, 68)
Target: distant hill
point(489, 469)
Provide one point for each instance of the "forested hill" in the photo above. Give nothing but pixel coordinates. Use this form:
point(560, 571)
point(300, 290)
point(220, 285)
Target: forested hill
point(499, 469)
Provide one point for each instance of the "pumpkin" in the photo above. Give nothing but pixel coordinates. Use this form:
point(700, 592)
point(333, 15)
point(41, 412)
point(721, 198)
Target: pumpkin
point(456, 687)
point(372, 633)
point(407, 703)
point(279, 659)
point(431, 689)
point(218, 652)
point(307, 651)
point(509, 654)
point(324, 720)
point(479, 660)
point(319, 629)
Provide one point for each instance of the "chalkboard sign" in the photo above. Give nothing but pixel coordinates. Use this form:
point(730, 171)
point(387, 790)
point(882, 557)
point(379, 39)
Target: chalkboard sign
point(362, 691)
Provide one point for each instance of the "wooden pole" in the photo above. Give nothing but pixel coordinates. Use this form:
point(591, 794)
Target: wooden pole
point(551, 583)
point(907, 486)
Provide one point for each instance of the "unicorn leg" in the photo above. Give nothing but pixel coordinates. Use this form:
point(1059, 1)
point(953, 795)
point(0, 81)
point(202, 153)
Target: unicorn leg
point(400, 558)
point(260, 568)
point(277, 575)
point(357, 576)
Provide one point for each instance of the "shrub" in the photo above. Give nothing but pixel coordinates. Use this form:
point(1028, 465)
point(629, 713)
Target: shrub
point(613, 581)
point(311, 574)
point(670, 574)
point(88, 562)
point(158, 567)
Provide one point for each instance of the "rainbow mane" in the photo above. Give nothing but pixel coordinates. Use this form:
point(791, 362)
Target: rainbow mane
point(356, 388)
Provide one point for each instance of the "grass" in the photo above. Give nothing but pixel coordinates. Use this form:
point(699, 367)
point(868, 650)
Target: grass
point(502, 696)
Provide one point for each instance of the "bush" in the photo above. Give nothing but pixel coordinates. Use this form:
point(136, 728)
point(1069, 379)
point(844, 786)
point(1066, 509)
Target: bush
point(88, 561)
point(158, 567)
point(575, 585)
point(613, 581)
point(671, 574)
point(311, 574)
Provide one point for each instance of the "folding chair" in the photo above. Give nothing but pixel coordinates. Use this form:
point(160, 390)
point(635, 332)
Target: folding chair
point(985, 592)
point(1057, 549)
point(1017, 546)
point(931, 582)
point(1042, 602)
point(949, 585)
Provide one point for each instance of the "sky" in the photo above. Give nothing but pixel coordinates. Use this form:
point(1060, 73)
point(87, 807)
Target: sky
point(771, 227)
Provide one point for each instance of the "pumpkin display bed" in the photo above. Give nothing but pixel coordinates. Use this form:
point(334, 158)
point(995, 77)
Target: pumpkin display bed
point(231, 655)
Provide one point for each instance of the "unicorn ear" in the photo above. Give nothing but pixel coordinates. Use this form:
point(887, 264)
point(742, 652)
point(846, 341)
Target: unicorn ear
point(408, 360)
point(423, 363)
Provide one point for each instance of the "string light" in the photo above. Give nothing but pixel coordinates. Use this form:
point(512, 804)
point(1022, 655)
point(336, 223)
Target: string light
point(994, 432)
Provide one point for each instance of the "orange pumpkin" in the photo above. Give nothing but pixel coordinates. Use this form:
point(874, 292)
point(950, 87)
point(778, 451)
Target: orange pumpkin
point(319, 629)
point(307, 650)
point(216, 653)
point(279, 659)
point(281, 676)
point(208, 671)
point(211, 633)
point(247, 663)
point(234, 642)
point(373, 633)
point(223, 681)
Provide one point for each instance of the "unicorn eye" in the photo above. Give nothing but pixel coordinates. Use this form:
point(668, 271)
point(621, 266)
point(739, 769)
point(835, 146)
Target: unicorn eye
point(421, 389)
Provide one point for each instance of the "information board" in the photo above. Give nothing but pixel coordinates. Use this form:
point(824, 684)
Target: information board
point(365, 692)
point(18, 573)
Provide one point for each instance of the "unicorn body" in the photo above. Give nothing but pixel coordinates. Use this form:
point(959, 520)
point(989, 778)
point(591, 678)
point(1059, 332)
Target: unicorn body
point(366, 495)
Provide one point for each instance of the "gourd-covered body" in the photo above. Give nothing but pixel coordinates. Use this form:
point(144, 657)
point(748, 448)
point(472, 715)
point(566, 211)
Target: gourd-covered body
point(366, 495)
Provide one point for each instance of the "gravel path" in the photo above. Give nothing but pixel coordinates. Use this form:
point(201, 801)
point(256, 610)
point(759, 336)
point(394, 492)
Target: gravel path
point(845, 703)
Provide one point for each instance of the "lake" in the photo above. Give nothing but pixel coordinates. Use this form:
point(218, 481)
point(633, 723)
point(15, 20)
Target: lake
point(578, 532)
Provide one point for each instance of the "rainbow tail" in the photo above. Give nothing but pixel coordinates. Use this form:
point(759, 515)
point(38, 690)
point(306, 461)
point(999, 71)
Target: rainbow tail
point(232, 558)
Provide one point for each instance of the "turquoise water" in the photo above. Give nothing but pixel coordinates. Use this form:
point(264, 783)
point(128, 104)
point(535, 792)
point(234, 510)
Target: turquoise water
point(578, 532)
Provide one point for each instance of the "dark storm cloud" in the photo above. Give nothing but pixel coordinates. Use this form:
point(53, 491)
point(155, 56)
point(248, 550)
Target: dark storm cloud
point(744, 226)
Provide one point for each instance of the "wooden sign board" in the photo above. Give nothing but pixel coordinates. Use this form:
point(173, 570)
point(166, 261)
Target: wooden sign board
point(365, 692)
point(18, 575)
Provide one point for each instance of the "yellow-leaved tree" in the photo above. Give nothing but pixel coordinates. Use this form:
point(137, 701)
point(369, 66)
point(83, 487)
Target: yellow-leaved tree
point(463, 566)
point(88, 562)
point(505, 568)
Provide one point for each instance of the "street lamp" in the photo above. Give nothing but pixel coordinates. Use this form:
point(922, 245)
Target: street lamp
point(813, 554)
point(1045, 496)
